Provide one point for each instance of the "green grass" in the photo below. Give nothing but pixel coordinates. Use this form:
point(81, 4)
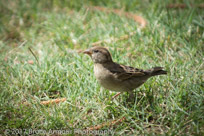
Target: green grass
point(174, 39)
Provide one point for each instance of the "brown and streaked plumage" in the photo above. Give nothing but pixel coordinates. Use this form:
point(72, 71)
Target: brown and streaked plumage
point(117, 77)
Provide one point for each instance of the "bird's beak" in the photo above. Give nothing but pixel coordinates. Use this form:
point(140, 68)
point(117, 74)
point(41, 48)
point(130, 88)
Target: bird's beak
point(88, 51)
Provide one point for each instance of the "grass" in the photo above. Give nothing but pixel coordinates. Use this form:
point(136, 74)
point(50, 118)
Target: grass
point(55, 30)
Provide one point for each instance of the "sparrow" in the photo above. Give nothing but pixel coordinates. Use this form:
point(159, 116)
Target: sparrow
point(118, 77)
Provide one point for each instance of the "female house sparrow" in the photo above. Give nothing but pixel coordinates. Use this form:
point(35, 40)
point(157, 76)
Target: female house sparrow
point(117, 77)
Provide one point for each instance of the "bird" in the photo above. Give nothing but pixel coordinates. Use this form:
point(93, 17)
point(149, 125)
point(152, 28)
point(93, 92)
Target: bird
point(117, 77)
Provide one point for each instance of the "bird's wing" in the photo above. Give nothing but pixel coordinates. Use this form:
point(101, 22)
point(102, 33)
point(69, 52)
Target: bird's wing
point(123, 72)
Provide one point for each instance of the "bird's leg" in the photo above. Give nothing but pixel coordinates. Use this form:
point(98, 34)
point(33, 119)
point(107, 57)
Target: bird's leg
point(116, 95)
point(131, 96)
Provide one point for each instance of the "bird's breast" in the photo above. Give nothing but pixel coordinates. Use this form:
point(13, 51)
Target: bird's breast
point(101, 72)
point(106, 78)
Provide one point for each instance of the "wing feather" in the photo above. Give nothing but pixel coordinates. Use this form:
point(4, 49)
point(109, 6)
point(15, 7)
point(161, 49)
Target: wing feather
point(123, 72)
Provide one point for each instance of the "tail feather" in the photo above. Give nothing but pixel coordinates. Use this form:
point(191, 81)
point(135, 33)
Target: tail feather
point(157, 71)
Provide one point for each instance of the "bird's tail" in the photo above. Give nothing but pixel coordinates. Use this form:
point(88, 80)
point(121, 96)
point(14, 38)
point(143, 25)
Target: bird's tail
point(157, 71)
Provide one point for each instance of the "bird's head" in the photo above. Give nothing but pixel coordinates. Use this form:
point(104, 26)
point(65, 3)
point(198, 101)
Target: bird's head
point(99, 54)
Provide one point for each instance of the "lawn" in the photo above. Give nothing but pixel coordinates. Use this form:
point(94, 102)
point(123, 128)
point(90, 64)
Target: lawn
point(40, 61)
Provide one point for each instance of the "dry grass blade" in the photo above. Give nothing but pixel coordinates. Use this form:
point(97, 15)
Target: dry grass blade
point(181, 5)
point(54, 101)
point(33, 54)
point(114, 122)
point(116, 95)
point(22, 44)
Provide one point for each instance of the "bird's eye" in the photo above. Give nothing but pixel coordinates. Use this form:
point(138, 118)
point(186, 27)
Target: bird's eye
point(95, 51)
